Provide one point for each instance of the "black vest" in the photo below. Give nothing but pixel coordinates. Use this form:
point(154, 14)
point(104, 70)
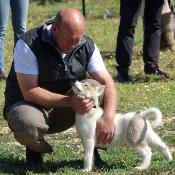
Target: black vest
point(55, 74)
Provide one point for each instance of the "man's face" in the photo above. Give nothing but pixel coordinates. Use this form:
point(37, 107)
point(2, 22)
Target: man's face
point(67, 39)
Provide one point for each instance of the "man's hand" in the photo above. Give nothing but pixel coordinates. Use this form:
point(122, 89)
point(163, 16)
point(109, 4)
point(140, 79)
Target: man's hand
point(80, 104)
point(105, 130)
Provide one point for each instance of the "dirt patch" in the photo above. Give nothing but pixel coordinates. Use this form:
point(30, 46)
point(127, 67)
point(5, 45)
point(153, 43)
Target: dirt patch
point(168, 119)
point(4, 130)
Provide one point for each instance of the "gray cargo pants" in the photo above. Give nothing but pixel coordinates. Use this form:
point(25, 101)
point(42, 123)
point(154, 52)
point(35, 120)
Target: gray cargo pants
point(30, 123)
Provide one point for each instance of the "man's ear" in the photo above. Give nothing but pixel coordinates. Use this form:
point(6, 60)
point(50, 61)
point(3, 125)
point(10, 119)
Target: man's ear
point(54, 27)
point(100, 89)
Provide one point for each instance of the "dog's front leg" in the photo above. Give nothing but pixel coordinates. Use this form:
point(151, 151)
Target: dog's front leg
point(88, 154)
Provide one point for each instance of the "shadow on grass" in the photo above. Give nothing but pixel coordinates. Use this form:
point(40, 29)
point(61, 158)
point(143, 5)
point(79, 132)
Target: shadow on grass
point(17, 166)
point(143, 78)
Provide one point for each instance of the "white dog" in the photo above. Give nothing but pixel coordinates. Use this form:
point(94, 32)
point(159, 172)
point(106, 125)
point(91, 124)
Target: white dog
point(133, 129)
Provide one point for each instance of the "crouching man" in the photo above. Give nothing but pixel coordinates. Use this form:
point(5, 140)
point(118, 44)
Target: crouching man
point(46, 61)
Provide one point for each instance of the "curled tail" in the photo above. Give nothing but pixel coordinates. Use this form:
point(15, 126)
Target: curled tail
point(153, 115)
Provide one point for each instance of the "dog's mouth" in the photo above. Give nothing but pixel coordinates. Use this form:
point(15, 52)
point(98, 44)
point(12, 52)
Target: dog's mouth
point(77, 89)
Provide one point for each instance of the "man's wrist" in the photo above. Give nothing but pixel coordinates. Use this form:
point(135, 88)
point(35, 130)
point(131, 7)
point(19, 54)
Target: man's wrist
point(108, 118)
point(109, 115)
point(66, 101)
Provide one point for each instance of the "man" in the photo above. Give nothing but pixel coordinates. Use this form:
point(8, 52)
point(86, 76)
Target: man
point(46, 61)
point(129, 11)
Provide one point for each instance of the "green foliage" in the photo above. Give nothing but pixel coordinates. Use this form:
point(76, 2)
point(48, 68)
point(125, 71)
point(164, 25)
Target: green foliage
point(144, 92)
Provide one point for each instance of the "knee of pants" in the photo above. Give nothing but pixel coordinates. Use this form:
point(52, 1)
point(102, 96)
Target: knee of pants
point(27, 123)
point(28, 135)
point(25, 138)
point(31, 140)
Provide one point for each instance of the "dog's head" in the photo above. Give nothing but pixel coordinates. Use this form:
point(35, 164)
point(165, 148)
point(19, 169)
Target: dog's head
point(89, 90)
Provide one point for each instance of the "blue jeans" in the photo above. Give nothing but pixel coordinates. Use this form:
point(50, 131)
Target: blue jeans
point(19, 10)
point(129, 12)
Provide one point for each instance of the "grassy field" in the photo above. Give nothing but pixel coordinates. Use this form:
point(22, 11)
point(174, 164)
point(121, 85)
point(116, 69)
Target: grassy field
point(144, 92)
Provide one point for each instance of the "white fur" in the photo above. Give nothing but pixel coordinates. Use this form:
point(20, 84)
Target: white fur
point(86, 127)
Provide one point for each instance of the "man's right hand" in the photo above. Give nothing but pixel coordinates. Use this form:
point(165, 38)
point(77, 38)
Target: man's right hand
point(80, 104)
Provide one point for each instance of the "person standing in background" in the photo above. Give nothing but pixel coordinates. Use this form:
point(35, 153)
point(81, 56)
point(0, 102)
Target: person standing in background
point(129, 12)
point(19, 11)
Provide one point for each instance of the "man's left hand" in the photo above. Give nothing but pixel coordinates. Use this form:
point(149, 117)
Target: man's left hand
point(105, 130)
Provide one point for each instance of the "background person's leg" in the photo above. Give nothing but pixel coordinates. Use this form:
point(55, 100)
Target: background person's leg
point(19, 9)
point(152, 31)
point(4, 14)
point(152, 35)
point(129, 11)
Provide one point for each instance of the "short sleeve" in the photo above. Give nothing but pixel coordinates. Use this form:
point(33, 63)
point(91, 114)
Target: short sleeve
point(24, 59)
point(96, 62)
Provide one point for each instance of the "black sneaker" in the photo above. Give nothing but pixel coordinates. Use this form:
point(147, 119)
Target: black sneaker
point(33, 157)
point(122, 75)
point(2, 76)
point(156, 71)
point(98, 162)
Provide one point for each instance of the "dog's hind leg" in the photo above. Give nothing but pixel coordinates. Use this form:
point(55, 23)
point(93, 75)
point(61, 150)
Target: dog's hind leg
point(146, 154)
point(155, 141)
point(88, 146)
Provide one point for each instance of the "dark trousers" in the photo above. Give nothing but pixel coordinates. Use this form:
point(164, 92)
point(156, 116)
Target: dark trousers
point(129, 12)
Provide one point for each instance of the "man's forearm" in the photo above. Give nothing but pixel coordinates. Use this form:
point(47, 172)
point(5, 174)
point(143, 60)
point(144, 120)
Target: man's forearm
point(46, 98)
point(110, 100)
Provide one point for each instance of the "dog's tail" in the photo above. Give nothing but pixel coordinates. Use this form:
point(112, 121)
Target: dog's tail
point(153, 115)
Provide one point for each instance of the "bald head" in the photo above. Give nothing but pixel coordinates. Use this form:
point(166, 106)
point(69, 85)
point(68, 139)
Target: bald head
point(71, 18)
point(67, 14)
point(68, 25)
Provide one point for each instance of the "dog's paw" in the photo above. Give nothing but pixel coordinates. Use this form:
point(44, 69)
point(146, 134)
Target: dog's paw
point(141, 167)
point(169, 158)
point(86, 169)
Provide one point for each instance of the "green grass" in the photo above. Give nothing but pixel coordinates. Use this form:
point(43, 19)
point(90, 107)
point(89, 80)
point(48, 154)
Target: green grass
point(144, 92)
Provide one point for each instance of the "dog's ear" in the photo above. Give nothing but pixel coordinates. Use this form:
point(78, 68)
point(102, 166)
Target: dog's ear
point(100, 90)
